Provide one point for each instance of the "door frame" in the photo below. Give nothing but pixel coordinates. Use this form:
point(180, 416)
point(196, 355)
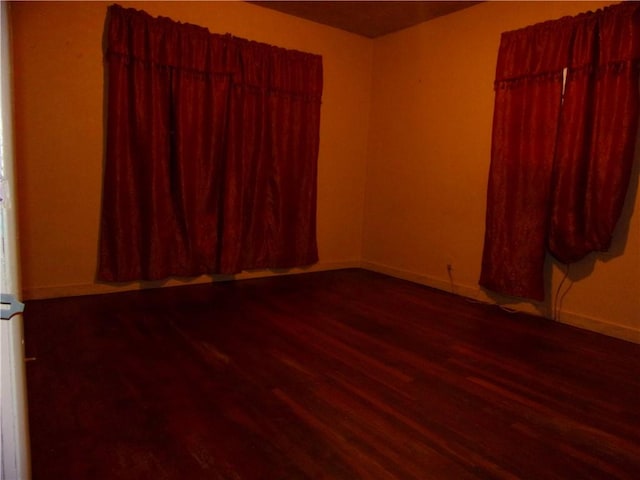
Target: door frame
point(14, 438)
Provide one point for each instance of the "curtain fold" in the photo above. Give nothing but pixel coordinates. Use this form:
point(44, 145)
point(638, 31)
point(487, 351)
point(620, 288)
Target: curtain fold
point(560, 165)
point(211, 155)
point(598, 128)
point(527, 107)
point(274, 139)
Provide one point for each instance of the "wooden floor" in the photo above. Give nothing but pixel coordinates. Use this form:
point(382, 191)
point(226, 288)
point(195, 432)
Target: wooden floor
point(334, 375)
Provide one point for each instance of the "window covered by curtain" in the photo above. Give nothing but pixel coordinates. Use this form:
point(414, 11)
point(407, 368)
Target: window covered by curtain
point(560, 165)
point(211, 152)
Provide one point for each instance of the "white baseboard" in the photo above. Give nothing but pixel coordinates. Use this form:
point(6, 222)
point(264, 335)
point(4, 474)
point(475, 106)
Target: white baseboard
point(422, 279)
point(601, 326)
point(55, 291)
point(474, 292)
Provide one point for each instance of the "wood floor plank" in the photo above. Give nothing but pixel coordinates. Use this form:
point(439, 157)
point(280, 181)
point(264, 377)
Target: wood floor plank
point(334, 375)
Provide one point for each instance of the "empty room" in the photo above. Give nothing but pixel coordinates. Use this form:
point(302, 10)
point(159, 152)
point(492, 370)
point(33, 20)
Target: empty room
point(339, 240)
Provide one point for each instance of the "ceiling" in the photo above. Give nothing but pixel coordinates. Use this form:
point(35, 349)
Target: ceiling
point(370, 19)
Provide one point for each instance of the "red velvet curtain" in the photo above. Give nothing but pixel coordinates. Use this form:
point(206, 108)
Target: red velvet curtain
point(559, 167)
point(211, 155)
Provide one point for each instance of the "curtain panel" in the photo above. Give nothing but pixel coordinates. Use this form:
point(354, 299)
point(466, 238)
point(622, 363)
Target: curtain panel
point(211, 152)
point(560, 162)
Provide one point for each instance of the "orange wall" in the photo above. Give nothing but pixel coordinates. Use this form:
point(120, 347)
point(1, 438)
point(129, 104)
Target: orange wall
point(408, 116)
point(429, 153)
point(58, 91)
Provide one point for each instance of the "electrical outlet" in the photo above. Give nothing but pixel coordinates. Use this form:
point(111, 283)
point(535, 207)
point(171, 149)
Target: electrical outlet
point(450, 275)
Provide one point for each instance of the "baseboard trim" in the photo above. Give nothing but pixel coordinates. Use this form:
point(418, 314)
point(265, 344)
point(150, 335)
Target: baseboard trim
point(600, 326)
point(570, 318)
point(422, 279)
point(75, 290)
point(473, 292)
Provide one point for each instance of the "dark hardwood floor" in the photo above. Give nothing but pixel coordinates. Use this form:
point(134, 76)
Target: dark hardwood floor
point(336, 375)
